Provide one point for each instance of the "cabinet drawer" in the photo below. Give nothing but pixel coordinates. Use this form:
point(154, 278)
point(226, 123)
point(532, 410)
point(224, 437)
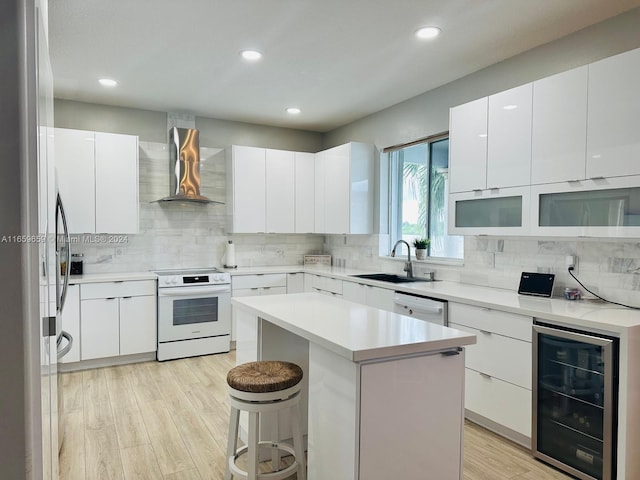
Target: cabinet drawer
point(490, 320)
point(502, 357)
point(326, 283)
point(502, 402)
point(258, 281)
point(117, 289)
point(273, 290)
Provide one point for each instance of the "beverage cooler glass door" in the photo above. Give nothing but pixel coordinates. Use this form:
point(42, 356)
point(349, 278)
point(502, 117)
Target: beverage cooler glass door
point(574, 400)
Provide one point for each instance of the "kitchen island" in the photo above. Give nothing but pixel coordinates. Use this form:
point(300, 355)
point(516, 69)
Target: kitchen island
point(385, 392)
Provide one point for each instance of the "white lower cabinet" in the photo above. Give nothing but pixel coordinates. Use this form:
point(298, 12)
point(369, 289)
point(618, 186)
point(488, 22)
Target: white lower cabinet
point(117, 318)
point(295, 282)
point(501, 402)
point(260, 284)
point(137, 335)
point(322, 284)
point(376, 297)
point(100, 331)
point(498, 367)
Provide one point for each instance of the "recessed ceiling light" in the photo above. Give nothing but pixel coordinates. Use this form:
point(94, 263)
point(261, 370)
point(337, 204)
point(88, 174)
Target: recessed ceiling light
point(251, 55)
point(107, 82)
point(510, 107)
point(428, 32)
point(293, 110)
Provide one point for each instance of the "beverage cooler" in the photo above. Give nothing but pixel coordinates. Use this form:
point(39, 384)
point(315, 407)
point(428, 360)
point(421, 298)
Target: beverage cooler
point(575, 385)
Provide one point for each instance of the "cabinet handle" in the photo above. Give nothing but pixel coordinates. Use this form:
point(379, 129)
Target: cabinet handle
point(451, 353)
point(255, 288)
point(597, 178)
point(485, 375)
point(266, 288)
point(486, 332)
point(476, 190)
point(110, 298)
point(118, 281)
point(127, 297)
point(577, 180)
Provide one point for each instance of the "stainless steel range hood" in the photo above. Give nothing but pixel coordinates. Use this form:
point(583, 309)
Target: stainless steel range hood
point(184, 167)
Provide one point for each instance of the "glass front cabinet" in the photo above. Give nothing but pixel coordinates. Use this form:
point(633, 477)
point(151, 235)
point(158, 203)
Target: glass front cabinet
point(602, 207)
point(498, 211)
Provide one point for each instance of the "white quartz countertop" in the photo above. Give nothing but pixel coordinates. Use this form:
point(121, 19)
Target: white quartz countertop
point(354, 331)
point(111, 277)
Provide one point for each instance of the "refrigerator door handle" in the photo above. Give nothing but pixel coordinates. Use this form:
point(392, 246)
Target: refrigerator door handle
point(67, 238)
point(68, 346)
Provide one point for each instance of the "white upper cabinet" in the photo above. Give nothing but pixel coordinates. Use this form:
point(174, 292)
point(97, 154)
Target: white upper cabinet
point(509, 145)
point(559, 127)
point(116, 183)
point(246, 189)
point(304, 192)
point(280, 191)
point(97, 176)
point(344, 189)
point(75, 174)
point(468, 146)
point(613, 135)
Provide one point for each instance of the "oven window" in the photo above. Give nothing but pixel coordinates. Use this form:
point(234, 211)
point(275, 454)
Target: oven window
point(195, 310)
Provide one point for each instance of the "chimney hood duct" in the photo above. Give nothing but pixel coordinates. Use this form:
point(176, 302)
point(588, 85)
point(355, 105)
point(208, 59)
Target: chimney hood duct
point(184, 167)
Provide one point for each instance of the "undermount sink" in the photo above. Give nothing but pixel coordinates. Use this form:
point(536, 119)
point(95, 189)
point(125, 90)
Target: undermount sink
point(392, 278)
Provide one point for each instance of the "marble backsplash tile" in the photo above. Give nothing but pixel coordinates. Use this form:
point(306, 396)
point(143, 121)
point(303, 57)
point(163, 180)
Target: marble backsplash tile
point(610, 268)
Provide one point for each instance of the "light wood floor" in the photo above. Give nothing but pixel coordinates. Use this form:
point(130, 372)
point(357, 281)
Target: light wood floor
point(168, 421)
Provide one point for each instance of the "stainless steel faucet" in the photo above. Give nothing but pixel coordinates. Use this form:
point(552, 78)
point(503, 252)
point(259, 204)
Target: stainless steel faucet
point(408, 266)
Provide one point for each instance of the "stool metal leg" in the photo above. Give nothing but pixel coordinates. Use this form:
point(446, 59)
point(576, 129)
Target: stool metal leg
point(252, 470)
point(297, 442)
point(232, 440)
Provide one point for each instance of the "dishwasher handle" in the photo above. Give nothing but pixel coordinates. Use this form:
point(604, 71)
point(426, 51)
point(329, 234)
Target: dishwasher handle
point(419, 305)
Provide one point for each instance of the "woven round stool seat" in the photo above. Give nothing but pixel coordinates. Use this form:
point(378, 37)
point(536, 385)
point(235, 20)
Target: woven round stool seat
point(264, 376)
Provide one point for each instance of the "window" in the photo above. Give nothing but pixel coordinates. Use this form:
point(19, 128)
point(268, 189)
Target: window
point(419, 186)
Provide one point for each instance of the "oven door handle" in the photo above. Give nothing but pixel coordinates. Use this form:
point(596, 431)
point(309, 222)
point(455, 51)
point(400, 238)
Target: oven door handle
point(190, 291)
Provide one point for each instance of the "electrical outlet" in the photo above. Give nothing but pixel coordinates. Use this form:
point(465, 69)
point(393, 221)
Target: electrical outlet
point(570, 261)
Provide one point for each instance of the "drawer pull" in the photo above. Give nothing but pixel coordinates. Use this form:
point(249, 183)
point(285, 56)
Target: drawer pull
point(255, 288)
point(486, 332)
point(266, 288)
point(485, 375)
point(110, 298)
point(127, 297)
point(119, 281)
point(451, 353)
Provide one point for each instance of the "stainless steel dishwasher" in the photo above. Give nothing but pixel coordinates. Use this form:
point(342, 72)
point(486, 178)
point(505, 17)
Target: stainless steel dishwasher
point(422, 308)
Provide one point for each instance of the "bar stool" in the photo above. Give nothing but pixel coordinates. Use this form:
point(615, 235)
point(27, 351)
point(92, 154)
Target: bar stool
point(261, 387)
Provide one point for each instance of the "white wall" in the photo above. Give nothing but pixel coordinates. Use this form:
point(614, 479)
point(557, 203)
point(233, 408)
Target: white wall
point(428, 113)
point(151, 126)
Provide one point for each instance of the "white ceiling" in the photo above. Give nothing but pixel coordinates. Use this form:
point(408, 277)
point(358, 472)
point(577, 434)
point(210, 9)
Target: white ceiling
point(338, 60)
